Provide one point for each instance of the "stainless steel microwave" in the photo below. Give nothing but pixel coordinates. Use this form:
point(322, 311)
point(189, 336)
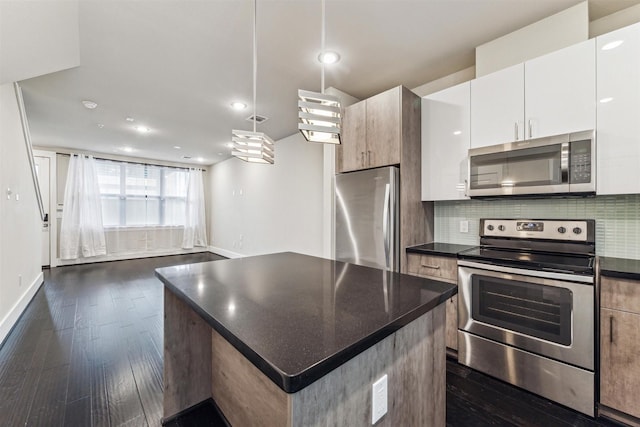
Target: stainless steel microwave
point(558, 165)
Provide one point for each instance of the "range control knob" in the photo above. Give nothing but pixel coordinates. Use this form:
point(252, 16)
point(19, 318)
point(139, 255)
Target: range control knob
point(577, 230)
point(490, 227)
point(501, 227)
point(562, 230)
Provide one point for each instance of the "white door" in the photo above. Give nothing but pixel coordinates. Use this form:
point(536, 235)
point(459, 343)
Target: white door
point(618, 111)
point(445, 143)
point(497, 107)
point(42, 169)
point(560, 91)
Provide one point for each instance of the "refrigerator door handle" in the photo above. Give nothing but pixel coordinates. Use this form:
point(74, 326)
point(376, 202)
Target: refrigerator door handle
point(385, 225)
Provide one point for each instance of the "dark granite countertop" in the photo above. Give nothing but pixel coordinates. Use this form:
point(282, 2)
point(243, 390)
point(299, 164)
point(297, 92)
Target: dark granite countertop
point(620, 267)
point(298, 317)
point(441, 249)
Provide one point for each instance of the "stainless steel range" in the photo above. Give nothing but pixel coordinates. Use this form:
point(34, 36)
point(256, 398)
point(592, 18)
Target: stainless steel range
point(527, 304)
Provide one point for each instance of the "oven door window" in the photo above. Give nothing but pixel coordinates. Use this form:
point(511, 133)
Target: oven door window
point(536, 310)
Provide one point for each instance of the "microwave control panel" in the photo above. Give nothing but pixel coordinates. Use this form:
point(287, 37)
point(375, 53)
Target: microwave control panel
point(580, 162)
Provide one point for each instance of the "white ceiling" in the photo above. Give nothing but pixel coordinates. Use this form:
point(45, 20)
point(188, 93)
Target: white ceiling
point(176, 65)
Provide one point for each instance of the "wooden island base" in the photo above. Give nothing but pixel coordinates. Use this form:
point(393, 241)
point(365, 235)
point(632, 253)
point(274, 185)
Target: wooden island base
point(199, 364)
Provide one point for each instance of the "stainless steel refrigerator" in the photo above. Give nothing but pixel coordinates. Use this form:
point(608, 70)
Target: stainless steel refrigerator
point(367, 218)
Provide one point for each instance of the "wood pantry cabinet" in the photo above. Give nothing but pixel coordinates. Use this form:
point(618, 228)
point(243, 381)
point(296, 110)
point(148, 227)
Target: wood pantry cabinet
point(549, 95)
point(444, 269)
point(620, 348)
point(373, 130)
point(618, 106)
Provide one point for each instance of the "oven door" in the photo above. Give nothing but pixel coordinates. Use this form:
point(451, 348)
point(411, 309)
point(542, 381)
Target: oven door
point(552, 315)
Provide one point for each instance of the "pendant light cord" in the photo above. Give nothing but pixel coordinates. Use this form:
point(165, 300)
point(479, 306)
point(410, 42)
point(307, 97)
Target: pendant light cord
point(322, 41)
point(255, 61)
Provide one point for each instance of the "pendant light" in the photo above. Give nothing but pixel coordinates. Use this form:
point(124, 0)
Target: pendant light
point(254, 147)
point(319, 115)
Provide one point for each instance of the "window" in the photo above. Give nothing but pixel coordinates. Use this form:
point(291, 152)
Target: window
point(141, 195)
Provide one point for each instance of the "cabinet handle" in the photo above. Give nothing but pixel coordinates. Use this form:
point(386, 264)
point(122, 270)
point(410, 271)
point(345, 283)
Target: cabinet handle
point(516, 130)
point(369, 157)
point(435, 267)
point(530, 129)
point(362, 158)
point(611, 329)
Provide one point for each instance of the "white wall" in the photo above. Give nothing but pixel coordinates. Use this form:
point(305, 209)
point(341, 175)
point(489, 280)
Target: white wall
point(37, 37)
point(258, 209)
point(20, 224)
point(563, 29)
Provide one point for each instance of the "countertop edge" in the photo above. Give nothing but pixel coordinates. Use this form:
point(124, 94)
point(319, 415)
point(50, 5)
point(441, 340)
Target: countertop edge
point(449, 250)
point(293, 383)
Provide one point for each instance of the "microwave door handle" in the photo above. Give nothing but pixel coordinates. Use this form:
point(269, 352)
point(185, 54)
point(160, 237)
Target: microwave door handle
point(564, 162)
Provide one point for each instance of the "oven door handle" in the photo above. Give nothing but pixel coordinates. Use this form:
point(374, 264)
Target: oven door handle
point(523, 272)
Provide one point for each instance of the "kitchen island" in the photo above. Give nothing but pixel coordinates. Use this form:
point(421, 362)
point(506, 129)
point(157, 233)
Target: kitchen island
point(293, 340)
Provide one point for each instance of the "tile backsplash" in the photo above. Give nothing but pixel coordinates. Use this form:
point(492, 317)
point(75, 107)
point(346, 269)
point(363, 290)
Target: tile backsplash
point(617, 219)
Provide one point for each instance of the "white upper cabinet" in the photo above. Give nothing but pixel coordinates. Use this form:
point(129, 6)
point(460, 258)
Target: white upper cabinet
point(618, 95)
point(445, 143)
point(560, 91)
point(549, 95)
point(497, 107)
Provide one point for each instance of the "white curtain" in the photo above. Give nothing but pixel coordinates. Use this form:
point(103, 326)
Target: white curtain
point(82, 231)
point(195, 233)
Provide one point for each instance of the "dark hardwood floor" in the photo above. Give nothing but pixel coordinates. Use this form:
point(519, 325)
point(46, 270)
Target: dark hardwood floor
point(88, 352)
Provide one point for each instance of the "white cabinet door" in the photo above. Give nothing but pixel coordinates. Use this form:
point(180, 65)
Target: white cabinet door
point(445, 143)
point(497, 107)
point(618, 93)
point(560, 91)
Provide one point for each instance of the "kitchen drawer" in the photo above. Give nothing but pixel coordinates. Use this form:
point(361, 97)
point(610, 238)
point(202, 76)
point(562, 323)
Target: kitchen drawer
point(433, 267)
point(620, 294)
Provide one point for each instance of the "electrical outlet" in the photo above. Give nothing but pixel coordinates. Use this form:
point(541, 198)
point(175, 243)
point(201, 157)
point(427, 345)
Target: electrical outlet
point(464, 226)
point(379, 399)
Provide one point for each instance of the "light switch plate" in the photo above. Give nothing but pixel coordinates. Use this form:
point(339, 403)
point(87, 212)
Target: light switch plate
point(464, 226)
point(379, 399)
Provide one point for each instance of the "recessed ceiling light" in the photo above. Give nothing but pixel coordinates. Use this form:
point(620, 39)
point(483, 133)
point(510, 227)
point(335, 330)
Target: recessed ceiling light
point(142, 129)
point(605, 100)
point(177, 147)
point(127, 149)
point(612, 45)
point(237, 105)
point(129, 119)
point(457, 132)
point(200, 159)
point(100, 125)
point(89, 104)
point(329, 57)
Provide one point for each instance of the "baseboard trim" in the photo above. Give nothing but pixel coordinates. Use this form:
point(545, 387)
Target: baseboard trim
point(225, 252)
point(9, 321)
point(617, 416)
point(127, 256)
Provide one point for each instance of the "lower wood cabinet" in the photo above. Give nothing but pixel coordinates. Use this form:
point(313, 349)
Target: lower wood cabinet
point(444, 269)
point(620, 347)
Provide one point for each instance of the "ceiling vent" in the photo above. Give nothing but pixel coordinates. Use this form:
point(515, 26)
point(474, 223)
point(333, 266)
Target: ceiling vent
point(259, 118)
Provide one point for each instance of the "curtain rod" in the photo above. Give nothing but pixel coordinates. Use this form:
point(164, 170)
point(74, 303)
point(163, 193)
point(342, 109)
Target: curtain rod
point(132, 162)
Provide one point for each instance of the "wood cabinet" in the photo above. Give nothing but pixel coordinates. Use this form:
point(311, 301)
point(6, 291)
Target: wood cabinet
point(620, 348)
point(444, 269)
point(372, 132)
point(549, 95)
point(618, 107)
point(445, 143)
